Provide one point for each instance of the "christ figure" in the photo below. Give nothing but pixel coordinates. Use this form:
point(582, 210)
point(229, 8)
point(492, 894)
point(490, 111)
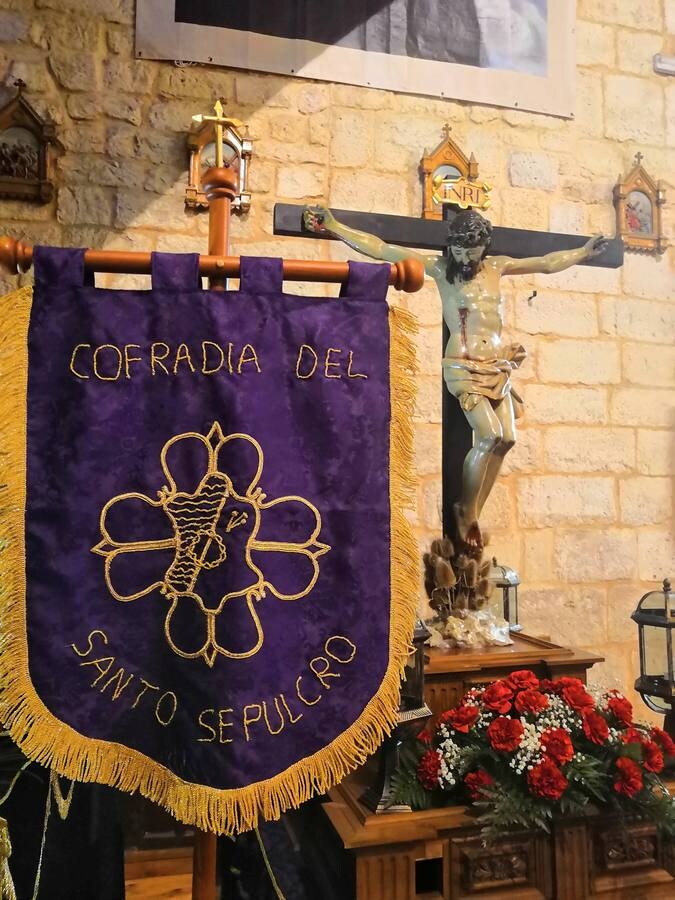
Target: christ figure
point(477, 364)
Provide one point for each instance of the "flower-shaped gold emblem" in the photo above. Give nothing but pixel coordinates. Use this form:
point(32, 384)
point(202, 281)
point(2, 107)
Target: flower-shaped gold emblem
point(211, 542)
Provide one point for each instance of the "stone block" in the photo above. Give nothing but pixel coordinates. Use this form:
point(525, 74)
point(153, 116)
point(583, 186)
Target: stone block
point(351, 142)
point(595, 555)
point(656, 555)
point(313, 98)
point(567, 218)
point(645, 15)
point(595, 44)
point(636, 49)
point(526, 455)
point(579, 449)
point(138, 210)
point(83, 106)
point(93, 169)
point(641, 320)
point(645, 500)
point(120, 40)
point(134, 76)
point(622, 600)
point(649, 364)
point(564, 315)
point(557, 613)
point(670, 115)
point(293, 154)
point(74, 71)
point(655, 452)
point(670, 16)
point(570, 361)
point(85, 206)
point(288, 127)
point(84, 137)
point(122, 106)
point(643, 407)
point(301, 183)
point(634, 109)
point(582, 279)
point(172, 115)
point(432, 506)
point(588, 107)
point(360, 97)
point(427, 442)
point(366, 191)
point(533, 170)
point(119, 11)
point(563, 499)
point(648, 276)
point(499, 511)
point(428, 399)
point(13, 26)
point(505, 544)
point(264, 90)
point(202, 82)
point(428, 347)
point(548, 405)
point(538, 555)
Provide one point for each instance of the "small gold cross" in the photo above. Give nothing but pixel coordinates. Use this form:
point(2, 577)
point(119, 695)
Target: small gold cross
point(638, 158)
point(220, 121)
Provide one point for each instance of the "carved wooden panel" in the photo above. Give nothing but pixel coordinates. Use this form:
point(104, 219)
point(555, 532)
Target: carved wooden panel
point(520, 866)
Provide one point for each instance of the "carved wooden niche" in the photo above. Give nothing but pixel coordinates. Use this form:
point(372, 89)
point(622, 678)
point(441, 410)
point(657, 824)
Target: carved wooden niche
point(638, 201)
point(27, 143)
point(450, 177)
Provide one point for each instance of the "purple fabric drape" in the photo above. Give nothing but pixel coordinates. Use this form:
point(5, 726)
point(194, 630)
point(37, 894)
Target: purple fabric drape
point(207, 514)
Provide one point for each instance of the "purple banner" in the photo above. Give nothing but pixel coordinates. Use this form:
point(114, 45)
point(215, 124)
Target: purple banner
point(208, 531)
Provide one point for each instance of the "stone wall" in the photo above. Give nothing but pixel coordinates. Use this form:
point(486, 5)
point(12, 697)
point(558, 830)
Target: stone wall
point(584, 512)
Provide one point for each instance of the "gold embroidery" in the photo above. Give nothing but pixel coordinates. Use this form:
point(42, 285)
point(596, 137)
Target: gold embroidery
point(245, 359)
point(129, 359)
point(182, 354)
point(202, 522)
point(205, 369)
point(304, 347)
point(119, 362)
point(328, 364)
point(72, 360)
point(173, 707)
point(351, 374)
point(156, 360)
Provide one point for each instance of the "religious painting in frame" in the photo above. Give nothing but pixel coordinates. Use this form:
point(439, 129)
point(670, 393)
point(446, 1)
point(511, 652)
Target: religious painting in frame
point(638, 200)
point(513, 53)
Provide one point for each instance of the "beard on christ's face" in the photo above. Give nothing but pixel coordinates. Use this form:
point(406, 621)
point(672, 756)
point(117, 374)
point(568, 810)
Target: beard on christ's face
point(464, 261)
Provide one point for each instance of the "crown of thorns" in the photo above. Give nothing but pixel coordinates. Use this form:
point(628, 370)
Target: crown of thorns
point(469, 229)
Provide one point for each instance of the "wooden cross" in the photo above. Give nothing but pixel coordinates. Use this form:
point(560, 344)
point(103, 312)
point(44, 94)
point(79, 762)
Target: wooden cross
point(431, 234)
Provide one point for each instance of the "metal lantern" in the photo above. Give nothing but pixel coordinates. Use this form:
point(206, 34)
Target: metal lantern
point(506, 583)
point(655, 617)
point(412, 712)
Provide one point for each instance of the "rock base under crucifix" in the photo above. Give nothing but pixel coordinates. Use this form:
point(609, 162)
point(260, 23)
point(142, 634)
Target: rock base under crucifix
point(459, 592)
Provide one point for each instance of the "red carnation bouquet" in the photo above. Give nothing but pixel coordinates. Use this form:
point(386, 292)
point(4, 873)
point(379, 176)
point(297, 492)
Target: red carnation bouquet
point(523, 750)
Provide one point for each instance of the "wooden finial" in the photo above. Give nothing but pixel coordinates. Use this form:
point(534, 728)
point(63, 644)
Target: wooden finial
point(666, 585)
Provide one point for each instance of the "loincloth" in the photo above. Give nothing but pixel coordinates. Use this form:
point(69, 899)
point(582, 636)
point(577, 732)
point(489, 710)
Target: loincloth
point(471, 379)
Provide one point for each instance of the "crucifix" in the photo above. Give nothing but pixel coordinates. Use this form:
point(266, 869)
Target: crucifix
point(479, 402)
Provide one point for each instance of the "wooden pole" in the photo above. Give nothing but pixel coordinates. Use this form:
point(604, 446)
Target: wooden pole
point(16, 257)
point(221, 186)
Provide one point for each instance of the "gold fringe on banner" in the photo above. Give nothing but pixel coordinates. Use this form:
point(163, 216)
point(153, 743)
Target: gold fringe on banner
point(45, 739)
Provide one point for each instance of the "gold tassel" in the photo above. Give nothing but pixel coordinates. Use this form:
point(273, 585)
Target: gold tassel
point(45, 739)
point(7, 891)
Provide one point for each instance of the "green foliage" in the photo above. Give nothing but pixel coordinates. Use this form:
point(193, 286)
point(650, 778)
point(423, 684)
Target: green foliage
point(505, 809)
